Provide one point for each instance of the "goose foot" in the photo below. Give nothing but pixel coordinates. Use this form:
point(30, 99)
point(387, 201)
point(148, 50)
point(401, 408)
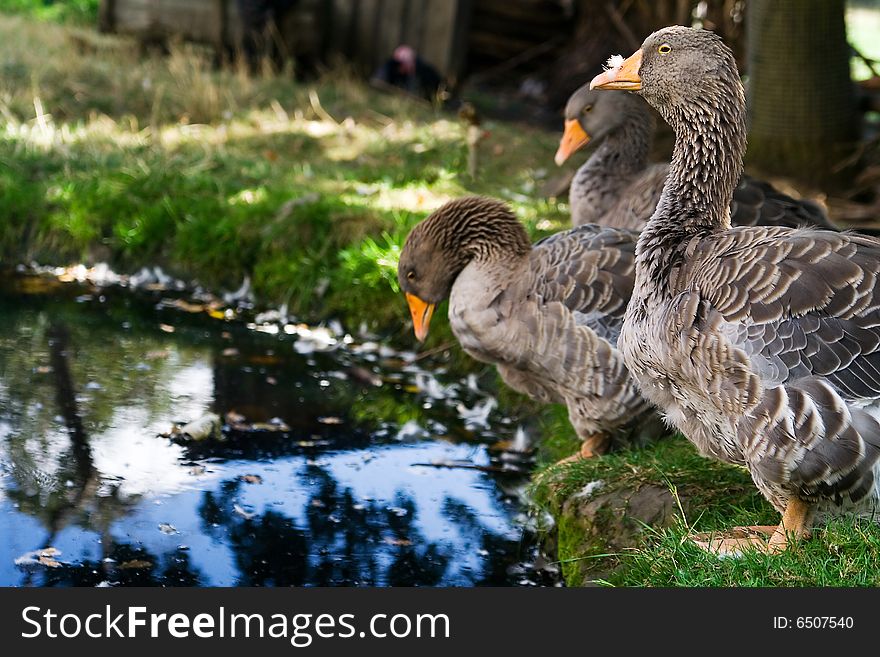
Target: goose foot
point(793, 528)
point(734, 542)
point(591, 447)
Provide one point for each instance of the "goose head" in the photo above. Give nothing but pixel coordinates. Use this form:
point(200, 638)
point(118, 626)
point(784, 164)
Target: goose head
point(689, 76)
point(439, 247)
point(591, 115)
point(675, 69)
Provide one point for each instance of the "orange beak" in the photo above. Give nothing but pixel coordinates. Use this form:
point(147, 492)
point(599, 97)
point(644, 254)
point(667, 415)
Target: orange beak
point(421, 315)
point(573, 138)
point(625, 76)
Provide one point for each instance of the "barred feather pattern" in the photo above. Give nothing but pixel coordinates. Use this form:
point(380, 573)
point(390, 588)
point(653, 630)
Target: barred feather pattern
point(761, 344)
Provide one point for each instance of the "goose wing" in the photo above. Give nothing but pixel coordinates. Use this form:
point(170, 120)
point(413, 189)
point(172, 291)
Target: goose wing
point(589, 269)
point(758, 203)
point(803, 308)
point(559, 337)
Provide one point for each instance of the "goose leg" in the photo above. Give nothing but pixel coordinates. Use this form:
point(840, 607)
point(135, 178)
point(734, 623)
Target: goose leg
point(591, 447)
point(794, 526)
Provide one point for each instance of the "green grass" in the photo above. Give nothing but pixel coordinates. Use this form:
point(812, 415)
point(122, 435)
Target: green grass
point(308, 188)
point(844, 553)
point(80, 12)
point(709, 496)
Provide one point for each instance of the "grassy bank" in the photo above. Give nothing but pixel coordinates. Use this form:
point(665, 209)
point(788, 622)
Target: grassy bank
point(626, 519)
point(307, 188)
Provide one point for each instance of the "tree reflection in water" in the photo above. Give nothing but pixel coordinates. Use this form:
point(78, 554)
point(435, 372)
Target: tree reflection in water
point(85, 387)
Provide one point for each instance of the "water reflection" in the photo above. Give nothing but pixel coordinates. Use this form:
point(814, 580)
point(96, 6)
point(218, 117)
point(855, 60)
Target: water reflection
point(89, 382)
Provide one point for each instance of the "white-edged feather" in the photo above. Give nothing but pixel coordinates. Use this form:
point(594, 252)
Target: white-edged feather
point(615, 61)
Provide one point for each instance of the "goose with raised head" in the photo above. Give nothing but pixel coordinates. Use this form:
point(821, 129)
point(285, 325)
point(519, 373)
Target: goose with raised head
point(547, 315)
point(618, 186)
point(761, 344)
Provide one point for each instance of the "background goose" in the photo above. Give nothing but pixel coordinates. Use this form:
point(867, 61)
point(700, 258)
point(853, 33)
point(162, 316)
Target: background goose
point(547, 315)
point(617, 186)
point(761, 344)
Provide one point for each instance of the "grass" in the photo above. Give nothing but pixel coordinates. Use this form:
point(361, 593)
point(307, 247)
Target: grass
point(845, 553)
point(77, 12)
point(708, 496)
point(217, 174)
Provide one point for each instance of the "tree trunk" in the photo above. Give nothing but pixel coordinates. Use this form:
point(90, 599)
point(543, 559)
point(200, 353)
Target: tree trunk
point(802, 105)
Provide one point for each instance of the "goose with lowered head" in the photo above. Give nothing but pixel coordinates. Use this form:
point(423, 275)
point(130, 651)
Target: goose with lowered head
point(547, 315)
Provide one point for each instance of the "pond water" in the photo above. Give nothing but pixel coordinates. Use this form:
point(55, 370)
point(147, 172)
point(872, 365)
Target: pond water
point(325, 474)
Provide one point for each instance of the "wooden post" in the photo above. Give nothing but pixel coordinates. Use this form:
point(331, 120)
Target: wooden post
point(107, 16)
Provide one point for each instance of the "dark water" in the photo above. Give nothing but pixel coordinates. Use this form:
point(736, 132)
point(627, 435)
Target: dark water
point(90, 379)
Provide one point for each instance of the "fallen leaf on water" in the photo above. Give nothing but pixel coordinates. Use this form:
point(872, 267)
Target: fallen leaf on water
point(166, 327)
point(251, 479)
point(217, 314)
point(207, 426)
point(135, 564)
point(271, 380)
point(186, 306)
point(270, 426)
point(402, 542)
point(330, 420)
point(230, 351)
point(156, 354)
point(197, 470)
point(247, 515)
point(43, 369)
point(44, 557)
point(233, 417)
point(167, 529)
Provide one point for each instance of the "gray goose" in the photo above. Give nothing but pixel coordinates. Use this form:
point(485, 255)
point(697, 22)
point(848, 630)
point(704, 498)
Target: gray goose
point(617, 186)
point(761, 344)
point(547, 315)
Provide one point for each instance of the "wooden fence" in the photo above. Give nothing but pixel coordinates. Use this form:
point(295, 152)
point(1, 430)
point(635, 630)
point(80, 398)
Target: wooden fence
point(447, 33)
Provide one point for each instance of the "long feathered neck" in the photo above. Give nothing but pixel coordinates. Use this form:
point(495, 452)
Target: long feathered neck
point(710, 141)
point(622, 154)
point(626, 148)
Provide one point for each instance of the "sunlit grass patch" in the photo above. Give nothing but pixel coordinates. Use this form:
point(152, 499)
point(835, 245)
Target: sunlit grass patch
point(108, 154)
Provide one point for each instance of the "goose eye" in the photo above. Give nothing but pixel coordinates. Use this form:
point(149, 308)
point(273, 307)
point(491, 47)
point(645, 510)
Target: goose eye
point(588, 108)
point(664, 49)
